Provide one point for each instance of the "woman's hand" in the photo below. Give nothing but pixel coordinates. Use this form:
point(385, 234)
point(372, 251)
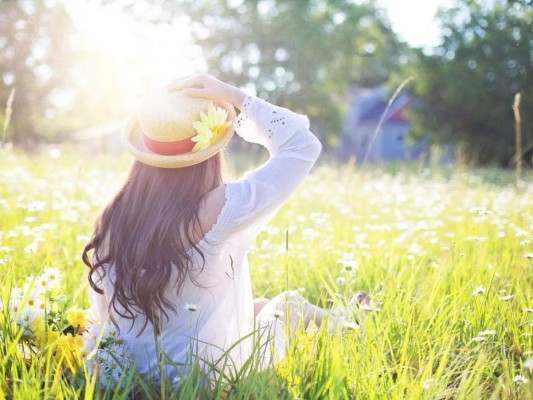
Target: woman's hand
point(209, 87)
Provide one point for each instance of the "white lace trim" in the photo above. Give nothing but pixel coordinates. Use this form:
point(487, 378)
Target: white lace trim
point(260, 122)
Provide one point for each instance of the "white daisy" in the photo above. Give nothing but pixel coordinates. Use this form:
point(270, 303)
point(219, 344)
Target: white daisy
point(428, 383)
point(110, 332)
point(111, 361)
point(350, 325)
point(91, 336)
point(479, 290)
point(340, 281)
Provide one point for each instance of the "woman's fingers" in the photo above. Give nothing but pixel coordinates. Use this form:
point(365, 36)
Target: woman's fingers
point(193, 81)
point(197, 92)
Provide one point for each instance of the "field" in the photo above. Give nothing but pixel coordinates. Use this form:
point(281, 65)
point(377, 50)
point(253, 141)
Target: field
point(447, 257)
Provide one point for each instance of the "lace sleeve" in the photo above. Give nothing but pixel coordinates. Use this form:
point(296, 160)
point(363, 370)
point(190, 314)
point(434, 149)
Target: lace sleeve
point(252, 200)
point(268, 125)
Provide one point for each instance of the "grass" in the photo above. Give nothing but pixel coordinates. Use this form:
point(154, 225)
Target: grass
point(445, 255)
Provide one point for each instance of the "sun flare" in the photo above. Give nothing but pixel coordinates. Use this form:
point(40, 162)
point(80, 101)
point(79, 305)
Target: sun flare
point(139, 54)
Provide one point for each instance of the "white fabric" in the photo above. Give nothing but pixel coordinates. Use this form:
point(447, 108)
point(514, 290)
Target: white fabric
point(223, 292)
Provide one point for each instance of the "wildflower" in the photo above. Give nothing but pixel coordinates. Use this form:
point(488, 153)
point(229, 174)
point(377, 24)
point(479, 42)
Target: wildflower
point(14, 305)
point(520, 380)
point(479, 290)
point(68, 350)
point(90, 337)
point(52, 276)
point(190, 307)
point(111, 362)
point(476, 238)
point(110, 332)
point(210, 128)
point(278, 314)
point(77, 317)
point(32, 247)
point(367, 307)
point(349, 266)
point(528, 364)
point(507, 298)
point(42, 284)
point(479, 211)
point(51, 335)
point(26, 318)
point(428, 383)
point(43, 334)
point(350, 325)
point(487, 333)
point(310, 233)
point(527, 255)
point(340, 281)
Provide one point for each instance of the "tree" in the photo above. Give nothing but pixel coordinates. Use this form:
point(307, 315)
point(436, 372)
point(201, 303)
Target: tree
point(58, 87)
point(467, 86)
point(300, 54)
point(33, 47)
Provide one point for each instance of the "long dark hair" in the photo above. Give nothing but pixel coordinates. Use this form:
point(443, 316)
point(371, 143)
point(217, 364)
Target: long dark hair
point(146, 232)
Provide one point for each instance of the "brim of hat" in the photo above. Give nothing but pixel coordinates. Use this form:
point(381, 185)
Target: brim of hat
point(132, 139)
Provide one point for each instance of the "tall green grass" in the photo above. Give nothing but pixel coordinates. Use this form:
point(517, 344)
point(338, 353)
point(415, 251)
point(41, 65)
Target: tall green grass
point(446, 257)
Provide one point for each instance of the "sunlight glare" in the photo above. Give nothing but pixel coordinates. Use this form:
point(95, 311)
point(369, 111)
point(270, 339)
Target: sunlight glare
point(146, 54)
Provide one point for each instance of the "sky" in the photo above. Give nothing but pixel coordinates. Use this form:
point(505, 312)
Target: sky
point(413, 20)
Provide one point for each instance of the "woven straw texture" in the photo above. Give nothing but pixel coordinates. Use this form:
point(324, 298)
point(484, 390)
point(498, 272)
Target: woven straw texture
point(166, 117)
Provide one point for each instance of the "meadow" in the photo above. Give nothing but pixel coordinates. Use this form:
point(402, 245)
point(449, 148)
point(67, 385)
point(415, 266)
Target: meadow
point(446, 256)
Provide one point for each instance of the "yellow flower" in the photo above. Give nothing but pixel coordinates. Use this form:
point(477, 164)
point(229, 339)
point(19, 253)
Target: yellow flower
point(68, 350)
point(77, 318)
point(38, 328)
point(52, 335)
point(210, 128)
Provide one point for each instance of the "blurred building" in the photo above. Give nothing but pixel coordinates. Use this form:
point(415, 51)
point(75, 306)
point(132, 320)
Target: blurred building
point(105, 137)
point(366, 105)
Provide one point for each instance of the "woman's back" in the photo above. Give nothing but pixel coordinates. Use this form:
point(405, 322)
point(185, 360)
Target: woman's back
point(212, 309)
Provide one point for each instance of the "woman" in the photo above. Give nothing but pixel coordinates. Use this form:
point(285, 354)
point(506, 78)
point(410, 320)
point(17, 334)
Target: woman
point(170, 267)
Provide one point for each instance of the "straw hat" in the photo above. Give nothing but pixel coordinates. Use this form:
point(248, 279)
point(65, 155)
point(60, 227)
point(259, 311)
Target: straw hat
point(161, 131)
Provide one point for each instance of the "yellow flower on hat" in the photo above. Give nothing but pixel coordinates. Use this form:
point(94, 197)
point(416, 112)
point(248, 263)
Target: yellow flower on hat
point(210, 128)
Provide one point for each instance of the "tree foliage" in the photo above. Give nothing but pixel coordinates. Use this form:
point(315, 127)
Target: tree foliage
point(300, 54)
point(59, 88)
point(33, 48)
point(468, 84)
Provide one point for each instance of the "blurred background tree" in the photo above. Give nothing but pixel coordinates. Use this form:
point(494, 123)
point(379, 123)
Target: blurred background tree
point(60, 85)
point(299, 54)
point(33, 46)
point(468, 84)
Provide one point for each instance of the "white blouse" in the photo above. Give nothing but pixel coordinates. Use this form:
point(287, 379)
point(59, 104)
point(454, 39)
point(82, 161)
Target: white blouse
point(215, 313)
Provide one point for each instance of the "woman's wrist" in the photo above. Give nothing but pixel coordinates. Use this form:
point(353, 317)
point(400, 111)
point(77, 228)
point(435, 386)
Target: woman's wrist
point(237, 98)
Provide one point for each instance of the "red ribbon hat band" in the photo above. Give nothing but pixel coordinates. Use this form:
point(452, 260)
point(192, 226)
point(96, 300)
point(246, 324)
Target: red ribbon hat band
point(169, 148)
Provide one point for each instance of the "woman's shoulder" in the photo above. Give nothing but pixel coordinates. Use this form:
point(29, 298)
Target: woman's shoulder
point(211, 207)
